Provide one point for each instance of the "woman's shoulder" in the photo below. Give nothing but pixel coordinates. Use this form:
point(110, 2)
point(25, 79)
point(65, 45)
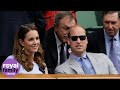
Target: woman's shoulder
point(10, 57)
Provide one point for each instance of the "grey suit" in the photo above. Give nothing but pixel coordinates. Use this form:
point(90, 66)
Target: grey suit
point(101, 63)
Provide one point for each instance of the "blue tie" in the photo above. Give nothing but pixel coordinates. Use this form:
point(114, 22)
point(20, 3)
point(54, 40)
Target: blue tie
point(112, 54)
point(84, 67)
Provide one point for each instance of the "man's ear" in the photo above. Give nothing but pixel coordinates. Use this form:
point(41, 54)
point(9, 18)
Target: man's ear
point(21, 42)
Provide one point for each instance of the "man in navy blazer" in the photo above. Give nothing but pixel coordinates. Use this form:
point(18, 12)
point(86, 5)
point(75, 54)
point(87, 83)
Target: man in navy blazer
point(99, 40)
point(55, 37)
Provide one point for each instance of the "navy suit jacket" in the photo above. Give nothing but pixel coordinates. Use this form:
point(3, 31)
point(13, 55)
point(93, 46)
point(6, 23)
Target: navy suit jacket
point(50, 48)
point(96, 41)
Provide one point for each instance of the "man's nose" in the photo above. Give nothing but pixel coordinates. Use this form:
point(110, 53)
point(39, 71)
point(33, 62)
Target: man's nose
point(110, 25)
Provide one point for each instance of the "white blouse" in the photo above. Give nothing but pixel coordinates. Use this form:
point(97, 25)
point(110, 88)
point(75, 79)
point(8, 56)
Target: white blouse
point(35, 69)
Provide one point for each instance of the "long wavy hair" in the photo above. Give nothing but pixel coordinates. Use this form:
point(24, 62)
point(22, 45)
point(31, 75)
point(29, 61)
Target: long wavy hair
point(18, 49)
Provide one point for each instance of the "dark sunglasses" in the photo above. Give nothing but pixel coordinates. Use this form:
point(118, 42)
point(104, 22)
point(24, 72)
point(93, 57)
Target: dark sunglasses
point(74, 38)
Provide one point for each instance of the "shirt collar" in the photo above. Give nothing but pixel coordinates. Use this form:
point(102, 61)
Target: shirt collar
point(78, 58)
point(57, 40)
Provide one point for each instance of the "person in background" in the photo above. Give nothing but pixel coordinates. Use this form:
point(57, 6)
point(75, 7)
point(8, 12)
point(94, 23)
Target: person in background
point(82, 62)
point(28, 50)
point(49, 17)
point(56, 40)
point(107, 39)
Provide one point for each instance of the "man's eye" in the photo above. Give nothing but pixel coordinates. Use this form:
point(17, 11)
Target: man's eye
point(66, 28)
point(113, 22)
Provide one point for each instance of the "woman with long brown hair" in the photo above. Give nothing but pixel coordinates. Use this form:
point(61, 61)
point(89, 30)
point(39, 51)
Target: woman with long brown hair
point(28, 50)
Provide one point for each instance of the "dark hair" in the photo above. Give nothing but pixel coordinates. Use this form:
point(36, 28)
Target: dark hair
point(25, 29)
point(61, 15)
point(110, 12)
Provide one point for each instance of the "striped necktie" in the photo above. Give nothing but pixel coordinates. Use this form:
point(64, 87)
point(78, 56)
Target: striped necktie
point(112, 54)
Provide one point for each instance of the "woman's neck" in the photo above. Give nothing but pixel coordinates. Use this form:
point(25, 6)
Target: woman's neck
point(30, 56)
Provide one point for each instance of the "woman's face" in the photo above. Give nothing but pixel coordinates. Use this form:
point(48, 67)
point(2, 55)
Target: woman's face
point(31, 42)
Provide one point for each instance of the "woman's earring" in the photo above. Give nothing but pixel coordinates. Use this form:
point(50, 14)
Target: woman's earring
point(23, 49)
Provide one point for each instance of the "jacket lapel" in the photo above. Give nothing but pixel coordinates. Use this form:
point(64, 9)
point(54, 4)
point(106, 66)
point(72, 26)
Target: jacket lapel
point(68, 47)
point(101, 41)
point(53, 47)
point(75, 66)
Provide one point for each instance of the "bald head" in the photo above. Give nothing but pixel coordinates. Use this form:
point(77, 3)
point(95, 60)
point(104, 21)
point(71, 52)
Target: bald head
point(78, 30)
